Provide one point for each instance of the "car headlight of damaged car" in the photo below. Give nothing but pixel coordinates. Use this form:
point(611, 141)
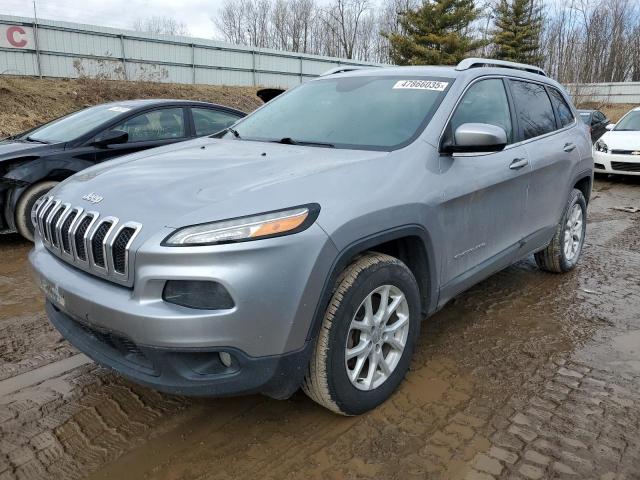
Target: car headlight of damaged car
point(601, 146)
point(254, 227)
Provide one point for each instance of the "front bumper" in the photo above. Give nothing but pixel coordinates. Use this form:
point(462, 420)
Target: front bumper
point(275, 284)
point(616, 164)
point(194, 372)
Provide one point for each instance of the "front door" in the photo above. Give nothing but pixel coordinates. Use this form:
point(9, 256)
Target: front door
point(150, 129)
point(485, 194)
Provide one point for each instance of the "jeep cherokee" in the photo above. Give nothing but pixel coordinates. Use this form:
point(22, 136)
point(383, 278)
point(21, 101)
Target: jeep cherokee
point(304, 246)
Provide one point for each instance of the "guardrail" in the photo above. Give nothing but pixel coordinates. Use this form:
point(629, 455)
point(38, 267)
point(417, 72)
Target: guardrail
point(68, 50)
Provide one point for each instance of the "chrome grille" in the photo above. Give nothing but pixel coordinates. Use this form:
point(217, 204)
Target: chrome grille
point(120, 249)
point(64, 232)
point(97, 244)
point(81, 247)
point(624, 152)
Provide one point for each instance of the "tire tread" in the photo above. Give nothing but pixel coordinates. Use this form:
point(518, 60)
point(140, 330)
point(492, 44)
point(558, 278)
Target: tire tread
point(315, 383)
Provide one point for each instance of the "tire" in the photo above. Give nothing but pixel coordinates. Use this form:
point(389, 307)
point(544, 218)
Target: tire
point(25, 205)
point(327, 381)
point(554, 258)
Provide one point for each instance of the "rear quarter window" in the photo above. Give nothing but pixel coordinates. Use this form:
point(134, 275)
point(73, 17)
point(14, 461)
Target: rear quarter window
point(565, 116)
point(533, 108)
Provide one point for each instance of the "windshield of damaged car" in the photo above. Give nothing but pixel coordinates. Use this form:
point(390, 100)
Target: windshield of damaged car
point(373, 112)
point(630, 122)
point(75, 125)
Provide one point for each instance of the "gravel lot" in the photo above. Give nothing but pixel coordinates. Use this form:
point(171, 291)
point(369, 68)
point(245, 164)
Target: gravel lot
point(528, 375)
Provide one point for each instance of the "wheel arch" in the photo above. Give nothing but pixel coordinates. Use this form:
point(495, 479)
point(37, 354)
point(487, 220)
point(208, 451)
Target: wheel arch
point(412, 244)
point(36, 171)
point(584, 183)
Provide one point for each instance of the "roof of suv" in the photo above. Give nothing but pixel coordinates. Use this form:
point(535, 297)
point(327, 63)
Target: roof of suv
point(469, 68)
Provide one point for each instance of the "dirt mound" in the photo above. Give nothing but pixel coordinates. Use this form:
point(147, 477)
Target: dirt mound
point(26, 102)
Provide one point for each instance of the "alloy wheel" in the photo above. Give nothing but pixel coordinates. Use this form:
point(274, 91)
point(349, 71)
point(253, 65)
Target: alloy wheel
point(377, 337)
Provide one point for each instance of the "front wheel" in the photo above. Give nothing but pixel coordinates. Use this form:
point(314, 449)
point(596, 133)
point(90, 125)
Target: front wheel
point(367, 336)
point(25, 204)
point(563, 253)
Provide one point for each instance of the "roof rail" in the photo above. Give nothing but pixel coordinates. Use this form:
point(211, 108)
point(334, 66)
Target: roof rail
point(346, 68)
point(468, 63)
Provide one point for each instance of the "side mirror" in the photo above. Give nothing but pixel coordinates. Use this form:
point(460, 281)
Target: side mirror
point(112, 137)
point(477, 137)
point(610, 126)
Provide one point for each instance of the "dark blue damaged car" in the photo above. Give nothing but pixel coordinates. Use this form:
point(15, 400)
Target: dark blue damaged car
point(33, 162)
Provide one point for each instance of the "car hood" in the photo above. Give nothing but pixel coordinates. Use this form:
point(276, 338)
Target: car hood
point(209, 179)
point(621, 140)
point(9, 149)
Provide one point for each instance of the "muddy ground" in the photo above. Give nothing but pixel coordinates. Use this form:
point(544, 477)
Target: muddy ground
point(527, 375)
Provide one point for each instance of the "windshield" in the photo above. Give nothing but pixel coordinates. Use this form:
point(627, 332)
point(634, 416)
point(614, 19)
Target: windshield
point(75, 125)
point(586, 117)
point(630, 122)
point(379, 113)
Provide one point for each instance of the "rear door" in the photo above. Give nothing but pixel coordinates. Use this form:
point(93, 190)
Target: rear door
point(551, 148)
point(153, 128)
point(485, 194)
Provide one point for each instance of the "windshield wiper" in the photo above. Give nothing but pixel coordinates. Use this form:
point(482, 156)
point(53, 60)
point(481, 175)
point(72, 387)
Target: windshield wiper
point(224, 131)
point(234, 131)
point(291, 141)
point(34, 140)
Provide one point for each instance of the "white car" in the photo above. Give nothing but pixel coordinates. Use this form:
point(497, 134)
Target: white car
point(618, 150)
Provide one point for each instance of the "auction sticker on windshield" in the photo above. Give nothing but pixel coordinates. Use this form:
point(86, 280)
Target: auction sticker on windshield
point(422, 85)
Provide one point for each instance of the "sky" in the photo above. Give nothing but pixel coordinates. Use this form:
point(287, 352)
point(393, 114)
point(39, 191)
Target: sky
point(121, 13)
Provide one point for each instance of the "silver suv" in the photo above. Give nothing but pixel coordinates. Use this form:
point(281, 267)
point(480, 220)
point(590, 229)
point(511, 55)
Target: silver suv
point(303, 247)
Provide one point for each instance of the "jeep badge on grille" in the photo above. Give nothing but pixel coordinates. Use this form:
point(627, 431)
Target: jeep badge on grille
point(92, 197)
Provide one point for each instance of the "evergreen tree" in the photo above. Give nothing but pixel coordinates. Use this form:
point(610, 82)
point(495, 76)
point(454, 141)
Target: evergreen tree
point(518, 26)
point(436, 33)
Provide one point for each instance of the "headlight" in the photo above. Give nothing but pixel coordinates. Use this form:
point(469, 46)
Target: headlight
point(601, 146)
point(264, 225)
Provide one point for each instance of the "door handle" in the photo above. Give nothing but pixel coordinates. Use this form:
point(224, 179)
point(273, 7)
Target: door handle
point(569, 147)
point(518, 163)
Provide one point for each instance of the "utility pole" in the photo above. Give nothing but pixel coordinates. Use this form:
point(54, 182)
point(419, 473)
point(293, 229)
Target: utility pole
point(35, 38)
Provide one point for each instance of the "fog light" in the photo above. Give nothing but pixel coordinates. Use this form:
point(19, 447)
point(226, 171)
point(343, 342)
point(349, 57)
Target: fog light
point(200, 294)
point(225, 358)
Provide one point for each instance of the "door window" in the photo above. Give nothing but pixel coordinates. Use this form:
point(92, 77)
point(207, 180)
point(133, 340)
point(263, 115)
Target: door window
point(163, 124)
point(599, 117)
point(533, 108)
point(565, 116)
point(208, 121)
point(484, 102)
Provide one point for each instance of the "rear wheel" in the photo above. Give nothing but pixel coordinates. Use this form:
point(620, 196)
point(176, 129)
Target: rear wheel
point(367, 337)
point(563, 253)
point(25, 205)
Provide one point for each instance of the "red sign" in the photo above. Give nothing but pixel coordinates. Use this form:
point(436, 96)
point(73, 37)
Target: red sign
point(16, 36)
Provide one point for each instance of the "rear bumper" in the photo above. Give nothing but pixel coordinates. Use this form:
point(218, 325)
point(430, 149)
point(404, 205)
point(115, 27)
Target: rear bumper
point(193, 372)
point(616, 164)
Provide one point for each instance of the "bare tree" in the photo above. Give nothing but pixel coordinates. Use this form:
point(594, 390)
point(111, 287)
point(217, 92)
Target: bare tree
point(161, 25)
point(344, 19)
point(581, 40)
point(592, 41)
